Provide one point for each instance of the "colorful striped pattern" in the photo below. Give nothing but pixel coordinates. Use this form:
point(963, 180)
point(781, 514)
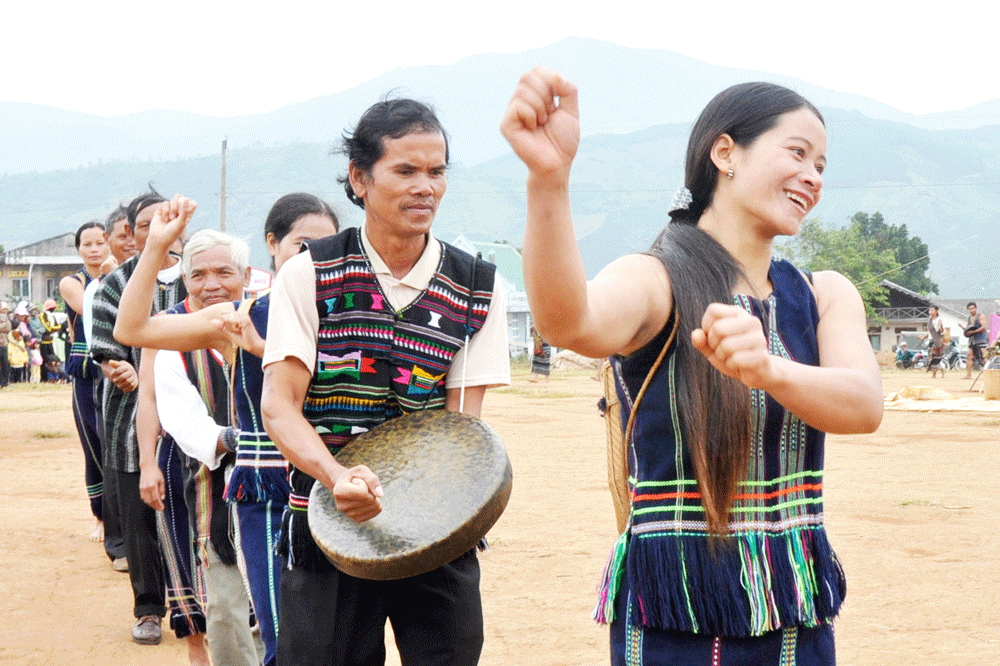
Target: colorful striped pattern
point(260, 471)
point(402, 357)
point(121, 450)
point(774, 568)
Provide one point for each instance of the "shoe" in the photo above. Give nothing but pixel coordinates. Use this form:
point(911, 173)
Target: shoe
point(146, 630)
point(119, 564)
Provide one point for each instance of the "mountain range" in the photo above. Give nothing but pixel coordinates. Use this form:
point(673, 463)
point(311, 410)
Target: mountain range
point(936, 173)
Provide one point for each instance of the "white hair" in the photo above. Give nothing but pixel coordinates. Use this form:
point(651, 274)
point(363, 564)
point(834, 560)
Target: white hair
point(239, 251)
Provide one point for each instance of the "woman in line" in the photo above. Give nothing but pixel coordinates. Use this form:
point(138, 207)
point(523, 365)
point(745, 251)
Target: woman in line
point(724, 559)
point(92, 245)
point(258, 487)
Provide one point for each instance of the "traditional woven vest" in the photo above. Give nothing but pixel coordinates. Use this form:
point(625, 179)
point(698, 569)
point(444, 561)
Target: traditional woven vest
point(204, 488)
point(260, 473)
point(374, 363)
point(79, 364)
point(775, 567)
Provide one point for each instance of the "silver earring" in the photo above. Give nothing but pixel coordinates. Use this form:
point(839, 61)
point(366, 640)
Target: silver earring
point(730, 174)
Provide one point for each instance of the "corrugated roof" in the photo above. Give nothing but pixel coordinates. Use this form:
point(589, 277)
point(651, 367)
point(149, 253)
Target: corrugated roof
point(504, 255)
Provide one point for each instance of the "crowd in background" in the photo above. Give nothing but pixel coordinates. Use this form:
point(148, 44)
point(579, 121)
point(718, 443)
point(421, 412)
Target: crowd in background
point(33, 343)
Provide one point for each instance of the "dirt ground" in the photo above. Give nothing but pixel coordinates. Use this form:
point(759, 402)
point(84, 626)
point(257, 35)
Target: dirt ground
point(909, 510)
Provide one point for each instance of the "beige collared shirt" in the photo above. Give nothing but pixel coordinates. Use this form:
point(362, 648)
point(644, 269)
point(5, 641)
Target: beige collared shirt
point(293, 322)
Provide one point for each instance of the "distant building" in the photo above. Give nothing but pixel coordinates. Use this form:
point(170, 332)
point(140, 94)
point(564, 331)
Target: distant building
point(508, 262)
point(906, 312)
point(32, 273)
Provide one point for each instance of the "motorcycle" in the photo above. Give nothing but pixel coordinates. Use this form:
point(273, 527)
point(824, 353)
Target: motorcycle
point(953, 358)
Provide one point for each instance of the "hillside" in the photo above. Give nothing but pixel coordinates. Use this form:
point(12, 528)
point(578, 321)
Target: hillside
point(944, 185)
point(622, 89)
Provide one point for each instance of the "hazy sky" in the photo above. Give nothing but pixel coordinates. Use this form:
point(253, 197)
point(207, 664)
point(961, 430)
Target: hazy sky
point(222, 58)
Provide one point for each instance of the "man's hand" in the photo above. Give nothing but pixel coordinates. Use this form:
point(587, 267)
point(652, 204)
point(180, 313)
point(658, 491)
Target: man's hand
point(121, 374)
point(169, 222)
point(241, 331)
point(733, 342)
point(542, 121)
point(109, 265)
point(152, 486)
point(357, 492)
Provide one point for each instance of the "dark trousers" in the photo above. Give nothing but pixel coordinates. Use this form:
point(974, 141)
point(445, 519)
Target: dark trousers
point(114, 539)
point(4, 365)
point(977, 356)
point(145, 564)
point(93, 458)
point(331, 619)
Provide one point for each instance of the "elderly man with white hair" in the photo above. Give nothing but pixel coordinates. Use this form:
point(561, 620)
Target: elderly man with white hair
point(191, 392)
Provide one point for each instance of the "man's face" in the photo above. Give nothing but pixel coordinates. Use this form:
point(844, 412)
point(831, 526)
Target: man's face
point(213, 278)
point(141, 231)
point(934, 311)
point(404, 188)
point(121, 241)
point(972, 310)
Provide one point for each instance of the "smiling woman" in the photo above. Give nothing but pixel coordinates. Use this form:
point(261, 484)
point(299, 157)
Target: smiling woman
point(744, 362)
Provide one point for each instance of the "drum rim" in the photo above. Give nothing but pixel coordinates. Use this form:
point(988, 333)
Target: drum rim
point(430, 556)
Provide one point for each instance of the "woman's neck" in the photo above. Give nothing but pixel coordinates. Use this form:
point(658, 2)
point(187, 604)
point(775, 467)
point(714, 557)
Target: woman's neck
point(742, 240)
point(93, 270)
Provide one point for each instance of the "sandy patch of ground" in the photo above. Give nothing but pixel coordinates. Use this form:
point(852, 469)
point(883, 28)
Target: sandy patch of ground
point(910, 510)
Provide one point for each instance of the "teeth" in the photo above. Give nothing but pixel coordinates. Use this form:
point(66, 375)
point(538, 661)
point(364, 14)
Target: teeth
point(797, 199)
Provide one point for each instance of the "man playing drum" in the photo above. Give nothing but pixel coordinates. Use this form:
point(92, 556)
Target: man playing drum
point(366, 326)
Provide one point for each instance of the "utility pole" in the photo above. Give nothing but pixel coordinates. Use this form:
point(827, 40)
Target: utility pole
point(222, 195)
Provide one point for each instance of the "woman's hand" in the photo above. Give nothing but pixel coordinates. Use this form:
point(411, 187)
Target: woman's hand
point(733, 342)
point(542, 121)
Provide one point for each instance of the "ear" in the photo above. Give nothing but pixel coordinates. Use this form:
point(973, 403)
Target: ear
point(722, 152)
point(359, 181)
point(246, 277)
point(272, 243)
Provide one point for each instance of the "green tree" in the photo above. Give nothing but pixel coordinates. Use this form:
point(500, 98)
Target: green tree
point(818, 247)
point(911, 253)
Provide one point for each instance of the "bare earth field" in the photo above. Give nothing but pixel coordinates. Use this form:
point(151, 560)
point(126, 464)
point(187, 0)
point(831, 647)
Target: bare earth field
point(909, 509)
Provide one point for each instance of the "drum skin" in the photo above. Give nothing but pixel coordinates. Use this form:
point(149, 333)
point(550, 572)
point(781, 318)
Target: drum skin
point(446, 478)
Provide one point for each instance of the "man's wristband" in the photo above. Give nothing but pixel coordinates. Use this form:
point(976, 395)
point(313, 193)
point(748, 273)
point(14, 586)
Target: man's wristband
point(229, 437)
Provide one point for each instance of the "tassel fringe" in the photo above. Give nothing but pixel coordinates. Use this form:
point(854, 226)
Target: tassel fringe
point(248, 485)
point(744, 585)
point(611, 581)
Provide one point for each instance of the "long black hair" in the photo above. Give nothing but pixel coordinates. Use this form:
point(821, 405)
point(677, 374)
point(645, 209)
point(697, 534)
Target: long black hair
point(287, 210)
point(714, 408)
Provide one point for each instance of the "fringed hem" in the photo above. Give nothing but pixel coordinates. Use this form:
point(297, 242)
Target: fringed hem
point(296, 544)
point(743, 585)
point(254, 485)
point(611, 581)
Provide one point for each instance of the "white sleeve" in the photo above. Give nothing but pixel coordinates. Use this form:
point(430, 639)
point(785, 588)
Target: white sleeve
point(488, 362)
point(88, 308)
point(292, 321)
point(182, 412)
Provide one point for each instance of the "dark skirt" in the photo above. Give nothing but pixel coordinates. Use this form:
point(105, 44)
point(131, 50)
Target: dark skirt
point(633, 645)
